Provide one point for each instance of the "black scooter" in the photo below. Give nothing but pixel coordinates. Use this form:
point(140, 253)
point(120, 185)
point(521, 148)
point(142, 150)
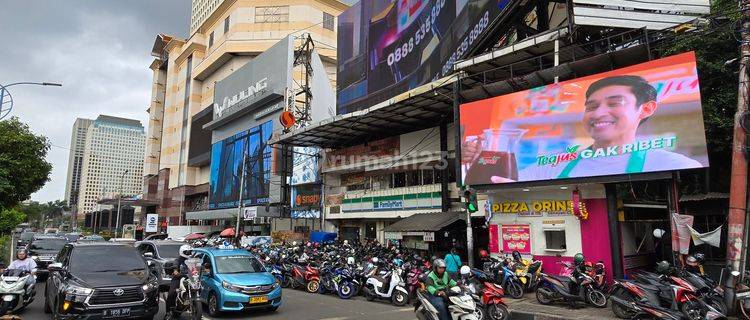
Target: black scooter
point(551, 289)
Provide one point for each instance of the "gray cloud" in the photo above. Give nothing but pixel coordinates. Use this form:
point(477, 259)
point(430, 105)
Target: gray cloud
point(99, 50)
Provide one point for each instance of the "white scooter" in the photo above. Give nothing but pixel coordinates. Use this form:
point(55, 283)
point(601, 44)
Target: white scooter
point(387, 286)
point(460, 305)
point(15, 290)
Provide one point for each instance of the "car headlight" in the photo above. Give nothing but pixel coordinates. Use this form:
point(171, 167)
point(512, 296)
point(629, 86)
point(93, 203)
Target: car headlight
point(77, 294)
point(231, 287)
point(275, 285)
point(151, 286)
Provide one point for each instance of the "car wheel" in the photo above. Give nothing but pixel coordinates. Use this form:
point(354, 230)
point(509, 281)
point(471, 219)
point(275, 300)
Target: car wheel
point(213, 305)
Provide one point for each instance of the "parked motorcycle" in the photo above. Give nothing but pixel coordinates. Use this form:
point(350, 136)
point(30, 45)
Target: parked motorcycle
point(15, 290)
point(635, 300)
point(492, 299)
point(305, 276)
point(742, 294)
point(388, 286)
point(528, 272)
point(551, 289)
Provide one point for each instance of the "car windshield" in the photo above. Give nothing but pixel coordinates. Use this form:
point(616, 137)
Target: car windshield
point(27, 236)
point(48, 244)
point(238, 264)
point(168, 251)
point(114, 258)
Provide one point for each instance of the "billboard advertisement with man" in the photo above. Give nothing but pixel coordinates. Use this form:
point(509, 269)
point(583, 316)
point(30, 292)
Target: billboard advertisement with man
point(386, 47)
point(643, 118)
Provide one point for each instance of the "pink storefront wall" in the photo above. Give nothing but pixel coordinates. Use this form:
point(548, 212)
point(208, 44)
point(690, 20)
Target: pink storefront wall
point(594, 240)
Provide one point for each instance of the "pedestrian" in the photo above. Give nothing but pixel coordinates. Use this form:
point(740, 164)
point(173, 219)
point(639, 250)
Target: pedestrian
point(452, 262)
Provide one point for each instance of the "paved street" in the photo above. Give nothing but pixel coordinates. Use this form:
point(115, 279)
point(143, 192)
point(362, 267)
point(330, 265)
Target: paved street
point(297, 305)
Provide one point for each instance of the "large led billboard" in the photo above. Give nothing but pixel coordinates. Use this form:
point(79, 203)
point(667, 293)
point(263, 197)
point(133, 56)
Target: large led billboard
point(386, 47)
point(643, 118)
point(226, 168)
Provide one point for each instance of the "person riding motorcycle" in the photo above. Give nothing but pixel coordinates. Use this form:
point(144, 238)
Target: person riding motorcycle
point(23, 262)
point(579, 270)
point(438, 282)
point(181, 270)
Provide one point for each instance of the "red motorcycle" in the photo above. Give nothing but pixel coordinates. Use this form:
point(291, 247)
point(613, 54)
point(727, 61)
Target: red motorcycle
point(668, 298)
point(307, 277)
point(492, 299)
point(413, 281)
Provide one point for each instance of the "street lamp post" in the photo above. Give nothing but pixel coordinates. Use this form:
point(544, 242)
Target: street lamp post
point(119, 198)
point(4, 91)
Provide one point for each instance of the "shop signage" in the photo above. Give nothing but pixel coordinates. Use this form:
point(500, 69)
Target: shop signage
point(387, 204)
point(533, 208)
point(374, 150)
point(152, 221)
point(429, 236)
point(516, 237)
point(249, 213)
point(562, 130)
point(307, 195)
point(393, 235)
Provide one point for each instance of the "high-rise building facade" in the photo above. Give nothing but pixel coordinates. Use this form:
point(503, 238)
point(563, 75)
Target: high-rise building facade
point(224, 36)
point(75, 160)
point(112, 161)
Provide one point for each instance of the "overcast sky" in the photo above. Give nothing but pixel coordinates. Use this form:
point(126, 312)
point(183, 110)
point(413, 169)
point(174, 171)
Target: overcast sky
point(99, 51)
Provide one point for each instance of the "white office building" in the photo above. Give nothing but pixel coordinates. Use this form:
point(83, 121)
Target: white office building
point(75, 160)
point(112, 161)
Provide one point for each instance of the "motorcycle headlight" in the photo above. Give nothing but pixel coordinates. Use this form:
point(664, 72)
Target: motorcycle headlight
point(231, 287)
point(151, 286)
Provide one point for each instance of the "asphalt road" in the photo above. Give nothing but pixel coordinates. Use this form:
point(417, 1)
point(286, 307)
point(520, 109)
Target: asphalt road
point(297, 305)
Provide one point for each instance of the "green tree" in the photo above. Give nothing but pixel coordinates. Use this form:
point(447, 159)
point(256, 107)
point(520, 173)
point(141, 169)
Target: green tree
point(23, 168)
point(714, 46)
point(9, 219)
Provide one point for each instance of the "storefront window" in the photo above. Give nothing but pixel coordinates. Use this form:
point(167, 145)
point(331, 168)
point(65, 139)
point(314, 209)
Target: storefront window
point(427, 177)
point(555, 239)
point(399, 180)
point(413, 178)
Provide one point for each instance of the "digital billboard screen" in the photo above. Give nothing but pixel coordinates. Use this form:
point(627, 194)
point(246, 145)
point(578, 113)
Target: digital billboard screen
point(226, 168)
point(643, 118)
point(386, 47)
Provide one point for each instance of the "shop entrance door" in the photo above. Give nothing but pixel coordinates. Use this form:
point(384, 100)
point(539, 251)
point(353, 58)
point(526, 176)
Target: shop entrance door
point(349, 233)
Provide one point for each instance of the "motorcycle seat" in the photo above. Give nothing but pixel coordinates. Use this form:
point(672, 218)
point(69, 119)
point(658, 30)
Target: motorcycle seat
point(564, 279)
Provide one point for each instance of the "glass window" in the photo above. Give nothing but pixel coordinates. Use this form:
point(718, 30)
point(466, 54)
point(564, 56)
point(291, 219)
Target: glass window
point(399, 179)
point(414, 178)
point(238, 264)
point(211, 39)
point(328, 21)
point(555, 239)
point(168, 251)
point(270, 14)
point(118, 258)
point(226, 25)
point(427, 177)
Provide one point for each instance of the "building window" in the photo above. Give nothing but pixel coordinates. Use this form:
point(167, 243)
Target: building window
point(226, 25)
point(555, 240)
point(328, 21)
point(211, 39)
point(272, 14)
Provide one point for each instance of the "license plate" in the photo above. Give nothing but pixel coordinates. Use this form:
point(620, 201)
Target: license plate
point(119, 312)
point(263, 299)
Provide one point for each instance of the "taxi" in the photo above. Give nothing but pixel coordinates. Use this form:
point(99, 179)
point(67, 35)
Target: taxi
point(235, 280)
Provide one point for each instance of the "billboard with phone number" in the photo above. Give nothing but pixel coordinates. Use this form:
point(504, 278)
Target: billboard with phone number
point(386, 47)
point(643, 118)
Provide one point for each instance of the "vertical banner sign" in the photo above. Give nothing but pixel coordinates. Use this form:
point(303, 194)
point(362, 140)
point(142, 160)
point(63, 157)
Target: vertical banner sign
point(152, 222)
point(249, 213)
point(516, 237)
point(494, 239)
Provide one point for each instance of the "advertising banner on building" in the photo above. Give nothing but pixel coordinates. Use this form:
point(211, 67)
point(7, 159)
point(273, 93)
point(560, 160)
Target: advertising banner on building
point(375, 150)
point(152, 222)
point(226, 168)
point(307, 200)
point(643, 118)
point(516, 237)
point(305, 165)
point(388, 47)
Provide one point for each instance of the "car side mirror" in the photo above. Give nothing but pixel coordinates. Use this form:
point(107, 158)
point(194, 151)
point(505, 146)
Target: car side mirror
point(148, 254)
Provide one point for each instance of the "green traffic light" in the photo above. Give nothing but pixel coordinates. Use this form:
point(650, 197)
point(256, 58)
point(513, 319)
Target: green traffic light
point(472, 207)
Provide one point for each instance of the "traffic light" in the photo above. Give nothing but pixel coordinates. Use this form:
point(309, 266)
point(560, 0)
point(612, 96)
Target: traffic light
point(470, 196)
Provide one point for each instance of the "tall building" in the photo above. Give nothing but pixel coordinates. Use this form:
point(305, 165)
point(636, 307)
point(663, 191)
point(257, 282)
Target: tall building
point(112, 160)
point(75, 160)
point(224, 36)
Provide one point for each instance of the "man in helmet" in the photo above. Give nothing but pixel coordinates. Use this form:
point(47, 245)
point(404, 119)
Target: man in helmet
point(178, 272)
point(579, 269)
point(437, 282)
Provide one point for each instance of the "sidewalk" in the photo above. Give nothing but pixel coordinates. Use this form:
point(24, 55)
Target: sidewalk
point(528, 308)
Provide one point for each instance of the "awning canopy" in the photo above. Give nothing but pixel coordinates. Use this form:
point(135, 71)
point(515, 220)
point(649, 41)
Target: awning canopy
point(424, 222)
point(229, 213)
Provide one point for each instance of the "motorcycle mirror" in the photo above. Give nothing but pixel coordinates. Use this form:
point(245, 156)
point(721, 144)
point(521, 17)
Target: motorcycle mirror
point(658, 233)
point(735, 273)
point(148, 254)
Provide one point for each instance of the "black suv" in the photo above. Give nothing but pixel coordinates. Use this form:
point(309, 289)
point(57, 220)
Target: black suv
point(101, 280)
point(44, 249)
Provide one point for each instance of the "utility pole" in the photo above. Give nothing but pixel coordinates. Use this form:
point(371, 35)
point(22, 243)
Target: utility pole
point(738, 201)
point(239, 206)
point(119, 201)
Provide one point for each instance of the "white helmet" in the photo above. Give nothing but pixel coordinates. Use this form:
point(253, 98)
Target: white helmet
point(346, 242)
point(185, 251)
point(294, 243)
point(465, 271)
point(350, 260)
point(374, 260)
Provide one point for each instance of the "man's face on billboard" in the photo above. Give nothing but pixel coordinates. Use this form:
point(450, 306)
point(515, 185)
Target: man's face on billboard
point(612, 116)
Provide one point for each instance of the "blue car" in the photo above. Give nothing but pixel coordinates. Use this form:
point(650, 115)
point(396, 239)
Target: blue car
point(236, 280)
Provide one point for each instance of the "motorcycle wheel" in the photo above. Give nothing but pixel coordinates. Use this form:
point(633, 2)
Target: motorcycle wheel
point(4, 308)
point(718, 304)
point(479, 313)
point(596, 298)
point(497, 312)
point(312, 286)
point(345, 290)
point(369, 295)
point(322, 288)
point(196, 310)
point(515, 290)
point(618, 310)
point(399, 298)
point(285, 283)
point(692, 310)
point(543, 295)
point(745, 309)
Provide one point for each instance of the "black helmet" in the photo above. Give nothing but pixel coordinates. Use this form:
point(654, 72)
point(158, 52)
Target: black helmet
point(662, 267)
point(701, 258)
point(516, 255)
